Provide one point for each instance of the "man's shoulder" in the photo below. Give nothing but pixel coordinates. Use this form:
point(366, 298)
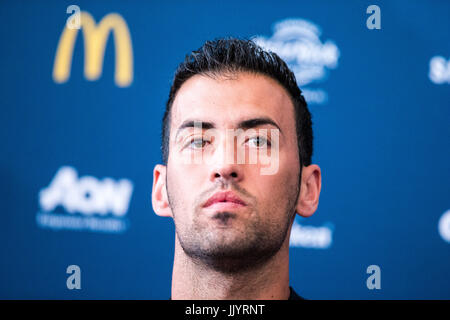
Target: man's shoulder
point(294, 295)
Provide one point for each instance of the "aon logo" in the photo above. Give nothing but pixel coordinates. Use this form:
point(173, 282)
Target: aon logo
point(86, 195)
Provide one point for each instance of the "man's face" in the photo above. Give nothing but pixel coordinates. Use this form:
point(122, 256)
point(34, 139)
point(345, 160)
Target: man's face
point(230, 236)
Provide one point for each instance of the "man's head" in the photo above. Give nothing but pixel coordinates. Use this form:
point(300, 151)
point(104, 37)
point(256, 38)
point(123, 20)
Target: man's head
point(229, 84)
point(229, 57)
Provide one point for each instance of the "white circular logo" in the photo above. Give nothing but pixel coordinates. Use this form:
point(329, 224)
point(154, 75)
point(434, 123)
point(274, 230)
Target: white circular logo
point(444, 226)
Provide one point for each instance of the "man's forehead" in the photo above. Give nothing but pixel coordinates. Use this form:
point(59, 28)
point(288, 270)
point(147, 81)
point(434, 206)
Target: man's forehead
point(229, 100)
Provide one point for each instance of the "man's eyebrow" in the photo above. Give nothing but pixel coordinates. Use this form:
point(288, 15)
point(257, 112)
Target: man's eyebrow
point(244, 124)
point(256, 122)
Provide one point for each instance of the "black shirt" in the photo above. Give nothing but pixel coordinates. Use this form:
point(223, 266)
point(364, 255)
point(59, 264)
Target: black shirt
point(294, 295)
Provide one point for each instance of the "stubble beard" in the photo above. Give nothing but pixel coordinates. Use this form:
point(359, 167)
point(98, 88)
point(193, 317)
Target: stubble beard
point(233, 250)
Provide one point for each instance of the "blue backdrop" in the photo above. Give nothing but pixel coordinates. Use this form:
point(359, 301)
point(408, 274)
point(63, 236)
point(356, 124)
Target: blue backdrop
point(79, 146)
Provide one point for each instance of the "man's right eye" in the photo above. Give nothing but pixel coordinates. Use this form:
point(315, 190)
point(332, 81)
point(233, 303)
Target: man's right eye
point(197, 143)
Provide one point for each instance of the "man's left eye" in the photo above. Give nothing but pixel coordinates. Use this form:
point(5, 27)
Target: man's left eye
point(259, 142)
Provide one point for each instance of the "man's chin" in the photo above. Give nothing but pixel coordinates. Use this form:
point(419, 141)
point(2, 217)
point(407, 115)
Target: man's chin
point(227, 238)
point(227, 254)
point(229, 260)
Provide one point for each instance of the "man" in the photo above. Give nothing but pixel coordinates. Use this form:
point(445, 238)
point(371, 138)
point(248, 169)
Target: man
point(232, 219)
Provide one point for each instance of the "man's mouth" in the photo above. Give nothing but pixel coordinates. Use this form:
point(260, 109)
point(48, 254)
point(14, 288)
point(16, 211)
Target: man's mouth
point(222, 206)
point(224, 200)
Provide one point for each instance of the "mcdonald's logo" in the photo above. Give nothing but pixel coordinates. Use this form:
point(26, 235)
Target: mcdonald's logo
point(95, 37)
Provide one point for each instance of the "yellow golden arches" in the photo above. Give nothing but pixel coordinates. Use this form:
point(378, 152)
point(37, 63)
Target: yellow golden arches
point(95, 37)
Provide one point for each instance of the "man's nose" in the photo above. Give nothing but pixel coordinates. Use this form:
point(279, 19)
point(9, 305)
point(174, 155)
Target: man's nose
point(224, 163)
point(226, 172)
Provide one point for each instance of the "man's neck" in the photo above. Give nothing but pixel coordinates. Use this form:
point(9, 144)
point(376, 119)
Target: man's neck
point(192, 280)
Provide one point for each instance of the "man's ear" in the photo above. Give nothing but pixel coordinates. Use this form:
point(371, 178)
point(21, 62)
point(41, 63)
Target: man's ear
point(160, 200)
point(308, 198)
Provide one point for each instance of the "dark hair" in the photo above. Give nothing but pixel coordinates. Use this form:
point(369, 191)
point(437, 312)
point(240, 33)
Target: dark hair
point(229, 56)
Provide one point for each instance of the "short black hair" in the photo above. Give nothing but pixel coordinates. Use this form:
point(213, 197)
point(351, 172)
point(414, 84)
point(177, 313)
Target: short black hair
point(232, 55)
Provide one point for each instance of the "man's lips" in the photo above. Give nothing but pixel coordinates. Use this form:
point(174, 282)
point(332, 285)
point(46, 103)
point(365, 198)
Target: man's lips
point(224, 200)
